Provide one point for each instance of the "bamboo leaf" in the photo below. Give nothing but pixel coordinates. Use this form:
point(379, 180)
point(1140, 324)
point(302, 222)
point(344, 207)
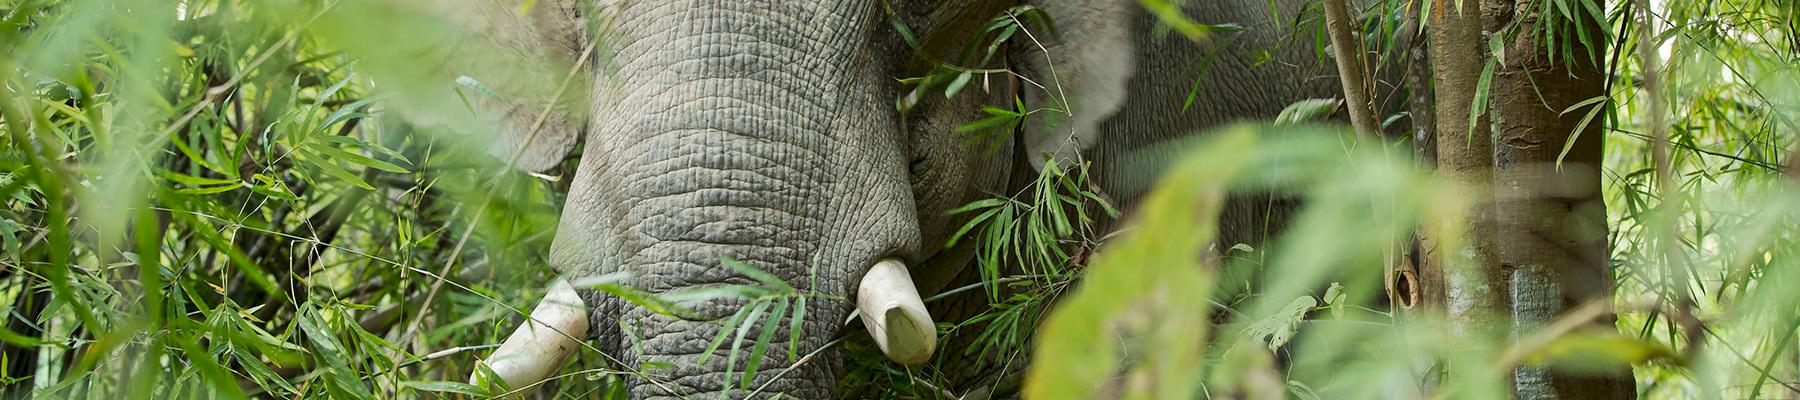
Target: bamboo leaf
point(795, 323)
point(768, 279)
point(737, 343)
point(762, 341)
point(1479, 106)
point(975, 222)
point(956, 85)
point(724, 330)
point(445, 387)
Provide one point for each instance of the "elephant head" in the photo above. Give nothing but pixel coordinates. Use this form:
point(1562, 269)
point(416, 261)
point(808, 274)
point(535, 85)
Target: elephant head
point(766, 132)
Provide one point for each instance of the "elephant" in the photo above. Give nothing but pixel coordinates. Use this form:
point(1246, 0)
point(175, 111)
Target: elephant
point(767, 132)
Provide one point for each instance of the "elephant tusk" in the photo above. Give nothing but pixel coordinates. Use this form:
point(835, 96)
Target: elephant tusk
point(894, 314)
point(539, 347)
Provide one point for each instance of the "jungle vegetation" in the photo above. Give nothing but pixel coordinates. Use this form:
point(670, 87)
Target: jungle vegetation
point(213, 199)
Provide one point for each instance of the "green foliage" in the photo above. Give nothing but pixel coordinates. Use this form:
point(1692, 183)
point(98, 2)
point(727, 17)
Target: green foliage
point(1002, 123)
point(211, 199)
point(1277, 328)
point(950, 73)
point(203, 200)
point(768, 304)
point(1728, 75)
point(1134, 305)
point(1030, 231)
point(1169, 14)
point(1306, 111)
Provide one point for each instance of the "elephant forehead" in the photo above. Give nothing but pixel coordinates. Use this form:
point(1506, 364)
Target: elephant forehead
point(784, 31)
point(683, 160)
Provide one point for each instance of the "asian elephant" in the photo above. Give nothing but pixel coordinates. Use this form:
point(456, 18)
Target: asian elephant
point(767, 131)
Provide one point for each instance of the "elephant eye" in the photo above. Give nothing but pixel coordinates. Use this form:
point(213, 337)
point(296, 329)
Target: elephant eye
point(916, 169)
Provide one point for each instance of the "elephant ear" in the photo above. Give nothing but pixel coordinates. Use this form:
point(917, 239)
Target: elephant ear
point(1083, 71)
point(515, 77)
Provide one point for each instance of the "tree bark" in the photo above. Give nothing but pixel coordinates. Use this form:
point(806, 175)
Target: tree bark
point(1408, 287)
point(1473, 289)
point(1551, 216)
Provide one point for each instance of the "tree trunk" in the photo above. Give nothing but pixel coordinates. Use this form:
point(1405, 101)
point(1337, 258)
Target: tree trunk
point(1406, 286)
point(1551, 217)
point(1473, 289)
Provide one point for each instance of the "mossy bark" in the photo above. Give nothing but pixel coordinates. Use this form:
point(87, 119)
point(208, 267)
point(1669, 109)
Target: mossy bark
point(1551, 217)
point(1459, 256)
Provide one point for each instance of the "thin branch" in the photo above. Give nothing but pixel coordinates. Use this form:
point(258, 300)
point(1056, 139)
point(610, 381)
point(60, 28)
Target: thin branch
point(1347, 47)
point(1666, 233)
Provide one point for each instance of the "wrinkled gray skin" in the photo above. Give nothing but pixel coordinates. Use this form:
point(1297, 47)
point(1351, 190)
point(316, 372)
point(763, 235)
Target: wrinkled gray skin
point(766, 131)
point(1129, 92)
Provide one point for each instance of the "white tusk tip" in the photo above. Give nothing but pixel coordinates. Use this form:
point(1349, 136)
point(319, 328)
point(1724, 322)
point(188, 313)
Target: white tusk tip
point(895, 315)
point(541, 345)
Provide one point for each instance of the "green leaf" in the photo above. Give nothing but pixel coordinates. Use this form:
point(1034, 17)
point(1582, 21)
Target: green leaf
point(1034, 16)
point(215, 376)
point(977, 205)
point(731, 357)
point(905, 34)
point(210, 190)
point(956, 85)
point(724, 330)
point(796, 322)
point(194, 180)
point(198, 159)
point(1170, 14)
point(647, 300)
point(1141, 288)
point(22, 341)
point(987, 123)
point(472, 83)
point(1107, 205)
point(332, 354)
point(960, 232)
point(1479, 106)
point(1588, 352)
point(270, 187)
point(768, 279)
point(345, 114)
point(1000, 39)
point(693, 296)
point(445, 387)
point(1277, 328)
point(250, 268)
point(1308, 110)
point(340, 154)
point(331, 168)
point(9, 238)
point(261, 372)
point(1335, 300)
point(1569, 144)
point(762, 341)
point(1497, 48)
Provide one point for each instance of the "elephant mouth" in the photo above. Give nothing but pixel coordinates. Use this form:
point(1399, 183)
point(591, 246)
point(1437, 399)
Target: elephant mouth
point(889, 304)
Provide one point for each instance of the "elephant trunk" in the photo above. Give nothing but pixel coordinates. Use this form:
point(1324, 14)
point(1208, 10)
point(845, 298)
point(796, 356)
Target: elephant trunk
point(726, 167)
point(720, 152)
